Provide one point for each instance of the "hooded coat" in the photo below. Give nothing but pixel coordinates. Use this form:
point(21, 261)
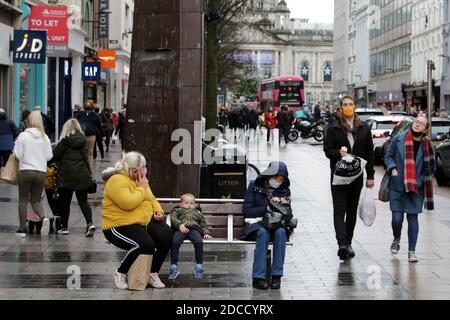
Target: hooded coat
point(33, 150)
point(8, 132)
point(70, 155)
point(256, 197)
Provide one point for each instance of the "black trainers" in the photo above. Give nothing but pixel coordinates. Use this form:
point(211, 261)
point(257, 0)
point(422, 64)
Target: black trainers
point(343, 253)
point(260, 284)
point(351, 252)
point(275, 283)
point(90, 229)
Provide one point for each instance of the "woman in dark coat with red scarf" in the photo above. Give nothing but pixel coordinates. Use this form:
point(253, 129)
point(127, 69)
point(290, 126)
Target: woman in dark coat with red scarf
point(411, 164)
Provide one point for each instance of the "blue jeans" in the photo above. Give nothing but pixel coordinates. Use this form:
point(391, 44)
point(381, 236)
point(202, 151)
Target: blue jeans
point(195, 237)
point(413, 227)
point(279, 252)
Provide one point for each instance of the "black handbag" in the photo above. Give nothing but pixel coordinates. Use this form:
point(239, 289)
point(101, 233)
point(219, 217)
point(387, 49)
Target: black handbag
point(383, 193)
point(278, 215)
point(93, 186)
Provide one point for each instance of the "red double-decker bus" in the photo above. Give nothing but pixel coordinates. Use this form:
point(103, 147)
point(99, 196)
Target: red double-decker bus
point(282, 91)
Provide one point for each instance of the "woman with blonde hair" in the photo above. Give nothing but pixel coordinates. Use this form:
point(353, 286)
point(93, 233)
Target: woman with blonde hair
point(74, 174)
point(33, 150)
point(132, 218)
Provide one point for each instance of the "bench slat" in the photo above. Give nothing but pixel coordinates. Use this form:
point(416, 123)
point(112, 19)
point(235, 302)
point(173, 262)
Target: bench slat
point(218, 209)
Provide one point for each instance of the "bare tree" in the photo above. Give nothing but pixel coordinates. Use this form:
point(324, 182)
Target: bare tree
point(222, 25)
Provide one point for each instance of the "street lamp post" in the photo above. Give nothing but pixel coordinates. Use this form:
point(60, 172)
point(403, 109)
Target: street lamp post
point(430, 67)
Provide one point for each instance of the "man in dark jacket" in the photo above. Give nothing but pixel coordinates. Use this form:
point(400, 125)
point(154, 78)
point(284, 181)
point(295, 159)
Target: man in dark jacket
point(346, 136)
point(284, 124)
point(272, 185)
point(8, 134)
point(317, 112)
point(121, 125)
point(90, 124)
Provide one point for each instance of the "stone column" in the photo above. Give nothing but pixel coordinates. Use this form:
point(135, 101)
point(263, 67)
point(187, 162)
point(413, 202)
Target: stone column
point(166, 89)
point(77, 84)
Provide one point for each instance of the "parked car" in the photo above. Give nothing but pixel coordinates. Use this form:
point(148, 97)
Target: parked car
point(439, 126)
point(443, 161)
point(381, 127)
point(401, 127)
point(398, 113)
point(365, 113)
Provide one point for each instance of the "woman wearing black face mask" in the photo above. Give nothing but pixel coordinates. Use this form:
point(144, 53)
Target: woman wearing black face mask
point(410, 161)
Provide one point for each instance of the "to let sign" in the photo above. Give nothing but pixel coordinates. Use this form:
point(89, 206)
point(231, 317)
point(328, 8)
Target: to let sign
point(52, 19)
point(103, 19)
point(29, 46)
point(90, 71)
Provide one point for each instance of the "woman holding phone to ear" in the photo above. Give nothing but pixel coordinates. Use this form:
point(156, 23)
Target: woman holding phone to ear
point(133, 219)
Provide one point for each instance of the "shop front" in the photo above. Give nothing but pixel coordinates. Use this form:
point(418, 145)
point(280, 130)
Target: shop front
point(392, 100)
point(10, 16)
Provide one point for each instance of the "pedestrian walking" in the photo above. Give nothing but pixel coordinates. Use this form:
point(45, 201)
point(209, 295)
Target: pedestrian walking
point(410, 162)
point(108, 125)
point(74, 175)
point(8, 134)
point(317, 112)
point(347, 136)
point(271, 123)
point(121, 126)
point(33, 150)
point(132, 218)
point(90, 124)
point(253, 121)
point(284, 124)
point(23, 120)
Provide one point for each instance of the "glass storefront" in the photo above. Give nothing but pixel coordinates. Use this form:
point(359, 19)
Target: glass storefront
point(25, 74)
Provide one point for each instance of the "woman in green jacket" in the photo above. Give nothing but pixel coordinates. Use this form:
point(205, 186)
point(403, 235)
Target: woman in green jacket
point(74, 174)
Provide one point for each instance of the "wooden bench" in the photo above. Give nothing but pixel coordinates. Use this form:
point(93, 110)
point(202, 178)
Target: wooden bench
point(225, 220)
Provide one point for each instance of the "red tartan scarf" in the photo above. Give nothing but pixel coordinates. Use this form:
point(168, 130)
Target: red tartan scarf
point(410, 169)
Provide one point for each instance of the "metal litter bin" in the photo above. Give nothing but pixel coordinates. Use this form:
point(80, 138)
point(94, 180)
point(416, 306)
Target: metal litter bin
point(226, 177)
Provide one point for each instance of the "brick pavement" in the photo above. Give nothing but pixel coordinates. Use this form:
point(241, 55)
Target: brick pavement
point(35, 268)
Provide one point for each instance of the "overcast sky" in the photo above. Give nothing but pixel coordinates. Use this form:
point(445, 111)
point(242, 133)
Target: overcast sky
point(315, 10)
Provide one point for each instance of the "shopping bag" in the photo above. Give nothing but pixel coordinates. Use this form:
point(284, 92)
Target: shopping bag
point(48, 213)
point(366, 208)
point(139, 273)
point(383, 193)
point(114, 136)
point(9, 172)
point(348, 169)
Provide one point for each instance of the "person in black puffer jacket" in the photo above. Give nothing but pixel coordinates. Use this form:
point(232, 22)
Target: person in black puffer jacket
point(348, 135)
point(74, 174)
point(8, 134)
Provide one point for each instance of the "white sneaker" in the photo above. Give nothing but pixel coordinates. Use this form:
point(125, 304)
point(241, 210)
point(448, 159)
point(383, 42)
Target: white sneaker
point(121, 280)
point(412, 256)
point(155, 282)
point(45, 230)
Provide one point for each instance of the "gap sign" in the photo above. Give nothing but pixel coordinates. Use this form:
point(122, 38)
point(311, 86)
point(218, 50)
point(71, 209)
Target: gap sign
point(90, 71)
point(29, 46)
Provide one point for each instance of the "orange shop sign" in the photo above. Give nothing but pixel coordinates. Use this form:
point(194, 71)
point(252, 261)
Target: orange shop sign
point(107, 58)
